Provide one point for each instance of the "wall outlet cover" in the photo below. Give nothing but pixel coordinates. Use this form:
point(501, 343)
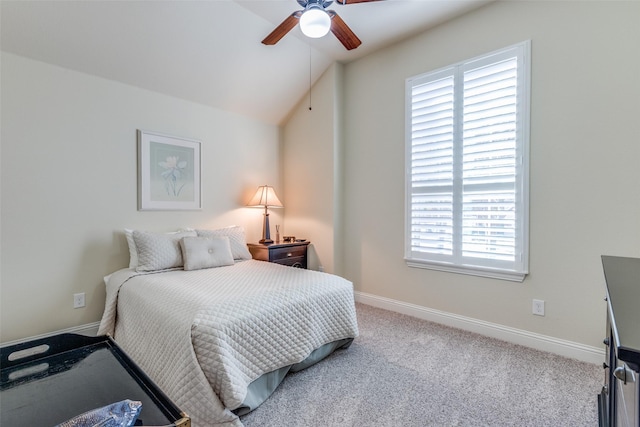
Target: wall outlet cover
point(78, 300)
point(538, 307)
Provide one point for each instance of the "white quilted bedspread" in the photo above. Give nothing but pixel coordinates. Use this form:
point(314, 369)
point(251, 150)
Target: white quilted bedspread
point(203, 336)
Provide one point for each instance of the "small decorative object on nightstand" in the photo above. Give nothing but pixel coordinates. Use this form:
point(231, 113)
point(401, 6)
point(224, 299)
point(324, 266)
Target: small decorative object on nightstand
point(292, 254)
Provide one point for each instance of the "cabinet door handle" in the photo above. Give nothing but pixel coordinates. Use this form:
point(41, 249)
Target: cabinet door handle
point(624, 374)
point(605, 341)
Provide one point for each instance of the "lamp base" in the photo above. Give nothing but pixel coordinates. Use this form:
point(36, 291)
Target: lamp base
point(266, 232)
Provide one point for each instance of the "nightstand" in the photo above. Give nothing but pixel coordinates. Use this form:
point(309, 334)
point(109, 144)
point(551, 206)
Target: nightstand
point(291, 254)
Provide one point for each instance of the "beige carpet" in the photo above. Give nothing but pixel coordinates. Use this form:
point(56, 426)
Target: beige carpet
point(403, 371)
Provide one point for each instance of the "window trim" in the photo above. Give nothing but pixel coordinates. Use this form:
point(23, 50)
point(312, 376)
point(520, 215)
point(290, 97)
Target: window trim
point(523, 50)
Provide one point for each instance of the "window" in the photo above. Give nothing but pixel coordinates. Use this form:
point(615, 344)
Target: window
point(467, 145)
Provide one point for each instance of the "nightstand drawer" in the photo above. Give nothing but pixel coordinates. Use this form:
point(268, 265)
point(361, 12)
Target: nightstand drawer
point(278, 254)
point(291, 254)
point(296, 261)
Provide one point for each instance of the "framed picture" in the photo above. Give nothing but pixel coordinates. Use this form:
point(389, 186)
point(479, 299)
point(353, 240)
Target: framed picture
point(168, 172)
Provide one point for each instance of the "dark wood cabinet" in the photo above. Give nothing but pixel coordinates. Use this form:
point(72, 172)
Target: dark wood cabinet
point(291, 254)
point(619, 401)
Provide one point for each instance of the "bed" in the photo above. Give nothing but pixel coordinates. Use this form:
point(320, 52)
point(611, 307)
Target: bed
point(218, 340)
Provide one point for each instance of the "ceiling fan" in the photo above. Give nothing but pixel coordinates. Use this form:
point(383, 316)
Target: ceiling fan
point(316, 21)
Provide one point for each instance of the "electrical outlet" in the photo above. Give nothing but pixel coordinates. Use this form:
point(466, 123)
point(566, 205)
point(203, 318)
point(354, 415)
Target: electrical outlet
point(78, 300)
point(538, 307)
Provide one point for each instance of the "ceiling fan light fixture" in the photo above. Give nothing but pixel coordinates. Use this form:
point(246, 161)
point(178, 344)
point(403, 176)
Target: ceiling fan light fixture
point(315, 23)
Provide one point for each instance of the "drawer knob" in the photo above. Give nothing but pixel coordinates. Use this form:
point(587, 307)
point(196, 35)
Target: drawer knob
point(605, 341)
point(289, 254)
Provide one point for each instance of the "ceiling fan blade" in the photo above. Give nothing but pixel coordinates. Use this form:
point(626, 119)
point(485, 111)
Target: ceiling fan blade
point(282, 29)
point(355, 1)
point(342, 31)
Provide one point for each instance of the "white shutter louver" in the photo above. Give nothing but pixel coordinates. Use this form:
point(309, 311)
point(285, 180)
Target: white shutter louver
point(431, 166)
point(489, 161)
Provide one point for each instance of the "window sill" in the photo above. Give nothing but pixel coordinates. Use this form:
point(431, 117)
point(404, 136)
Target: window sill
point(468, 270)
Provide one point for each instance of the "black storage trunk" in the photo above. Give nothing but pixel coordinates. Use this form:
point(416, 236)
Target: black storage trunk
point(48, 381)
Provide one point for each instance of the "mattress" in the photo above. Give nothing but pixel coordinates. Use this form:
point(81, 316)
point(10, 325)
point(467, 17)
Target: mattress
point(205, 336)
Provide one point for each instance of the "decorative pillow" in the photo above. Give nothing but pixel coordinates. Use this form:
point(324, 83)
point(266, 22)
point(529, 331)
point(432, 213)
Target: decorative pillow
point(206, 252)
point(236, 239)
point(159, 251)
point(133, 251)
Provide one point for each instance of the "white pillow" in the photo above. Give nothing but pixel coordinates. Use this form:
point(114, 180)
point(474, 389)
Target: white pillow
point(206, 252)
point(236, 239)
point(159, 251)
point(133, 251)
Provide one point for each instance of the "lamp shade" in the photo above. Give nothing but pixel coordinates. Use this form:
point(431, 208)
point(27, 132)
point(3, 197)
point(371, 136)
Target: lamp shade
point(265, 197)
point(315, 22)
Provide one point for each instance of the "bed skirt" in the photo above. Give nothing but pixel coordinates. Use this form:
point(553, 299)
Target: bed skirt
point(260, 389)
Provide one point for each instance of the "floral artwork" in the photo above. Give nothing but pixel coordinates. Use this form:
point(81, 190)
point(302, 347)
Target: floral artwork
point(172, 175)
point(169, 170)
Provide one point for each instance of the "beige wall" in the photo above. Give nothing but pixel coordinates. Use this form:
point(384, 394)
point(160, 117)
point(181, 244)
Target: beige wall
point(69, 185)
point(585, 168)
point(310, 151)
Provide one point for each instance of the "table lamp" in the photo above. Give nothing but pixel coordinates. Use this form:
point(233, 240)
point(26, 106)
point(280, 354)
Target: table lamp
point(265, 196)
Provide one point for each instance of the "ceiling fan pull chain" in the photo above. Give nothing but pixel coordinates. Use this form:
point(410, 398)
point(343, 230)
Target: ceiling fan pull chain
point(310, 77)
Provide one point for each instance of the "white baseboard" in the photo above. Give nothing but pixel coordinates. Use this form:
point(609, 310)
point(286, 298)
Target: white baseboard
point(90, 329)
point(546, 343)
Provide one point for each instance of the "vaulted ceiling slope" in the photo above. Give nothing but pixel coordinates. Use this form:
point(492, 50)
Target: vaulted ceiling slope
point(209, 51)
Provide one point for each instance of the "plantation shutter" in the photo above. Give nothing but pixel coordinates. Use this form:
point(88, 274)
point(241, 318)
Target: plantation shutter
point(467, 173)
point(432, 166)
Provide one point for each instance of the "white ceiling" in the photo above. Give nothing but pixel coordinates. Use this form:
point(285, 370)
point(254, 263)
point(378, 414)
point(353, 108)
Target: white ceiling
point(207, 51)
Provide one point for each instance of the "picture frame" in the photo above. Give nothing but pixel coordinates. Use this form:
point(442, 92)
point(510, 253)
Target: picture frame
point(169, 172)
